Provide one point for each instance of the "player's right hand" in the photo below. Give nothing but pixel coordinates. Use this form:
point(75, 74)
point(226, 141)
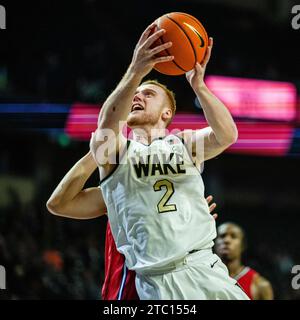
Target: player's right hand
point(144, 56)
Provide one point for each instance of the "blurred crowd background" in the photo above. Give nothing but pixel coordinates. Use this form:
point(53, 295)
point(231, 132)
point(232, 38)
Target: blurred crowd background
point(65, 52)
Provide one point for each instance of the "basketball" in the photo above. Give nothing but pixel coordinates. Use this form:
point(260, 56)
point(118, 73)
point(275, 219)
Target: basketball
point(189, 39)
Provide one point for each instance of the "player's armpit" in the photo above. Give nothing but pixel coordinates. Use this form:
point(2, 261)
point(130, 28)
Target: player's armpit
point(202, 143)
point(87, 204)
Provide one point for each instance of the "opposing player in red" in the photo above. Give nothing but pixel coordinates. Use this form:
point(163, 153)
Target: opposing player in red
point(229, 246)
point(70, 199)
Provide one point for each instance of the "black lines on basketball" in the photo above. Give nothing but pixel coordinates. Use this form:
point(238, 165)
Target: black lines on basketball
point(196, 21)
point(190, 41)
point(191, 17)
point(165, 51)
point(161, 41)
point(176, 64)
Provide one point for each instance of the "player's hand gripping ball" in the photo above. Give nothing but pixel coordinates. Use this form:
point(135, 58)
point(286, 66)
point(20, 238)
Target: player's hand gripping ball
point(189, 39)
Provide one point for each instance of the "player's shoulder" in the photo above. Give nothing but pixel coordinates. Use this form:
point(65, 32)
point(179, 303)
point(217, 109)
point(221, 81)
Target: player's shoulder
point(263, 286)
point(255, 275)
point(185, 136)
point(184, 133)
point(188, 134)
point(252, 271)
point(260, 280)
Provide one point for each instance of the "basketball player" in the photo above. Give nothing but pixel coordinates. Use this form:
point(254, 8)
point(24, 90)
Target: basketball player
point(230, 244)
point(70, 200)
point(152, 184)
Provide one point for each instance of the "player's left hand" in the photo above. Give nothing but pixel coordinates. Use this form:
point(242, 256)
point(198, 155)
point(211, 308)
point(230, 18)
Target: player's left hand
point(195, 77)
point(212, 206)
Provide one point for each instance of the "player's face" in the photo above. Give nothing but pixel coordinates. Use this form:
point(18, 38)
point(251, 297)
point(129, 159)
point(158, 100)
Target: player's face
point(148, 104)
point(229, 242)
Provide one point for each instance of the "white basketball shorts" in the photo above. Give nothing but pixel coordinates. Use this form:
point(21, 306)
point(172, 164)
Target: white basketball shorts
point(199, 276)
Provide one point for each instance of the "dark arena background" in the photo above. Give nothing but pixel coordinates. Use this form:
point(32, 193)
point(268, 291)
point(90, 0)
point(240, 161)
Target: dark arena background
point(59, 60)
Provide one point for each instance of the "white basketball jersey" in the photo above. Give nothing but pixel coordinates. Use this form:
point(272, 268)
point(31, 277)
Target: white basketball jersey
point(156, 205)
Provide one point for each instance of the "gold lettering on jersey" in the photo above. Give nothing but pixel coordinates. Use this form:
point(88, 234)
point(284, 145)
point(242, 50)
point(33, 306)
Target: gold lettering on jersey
point(158, 164)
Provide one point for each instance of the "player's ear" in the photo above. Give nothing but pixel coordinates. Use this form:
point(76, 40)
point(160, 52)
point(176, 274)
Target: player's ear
point(167, 114)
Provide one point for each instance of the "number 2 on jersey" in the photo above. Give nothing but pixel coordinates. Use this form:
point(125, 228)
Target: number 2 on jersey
point(162, 206)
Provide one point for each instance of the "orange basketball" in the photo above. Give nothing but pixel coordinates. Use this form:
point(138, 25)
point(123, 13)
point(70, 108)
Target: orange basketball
point(189, 40)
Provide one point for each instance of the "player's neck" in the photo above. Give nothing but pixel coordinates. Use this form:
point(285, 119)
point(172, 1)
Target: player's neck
point(147, 135)
point(235, 267)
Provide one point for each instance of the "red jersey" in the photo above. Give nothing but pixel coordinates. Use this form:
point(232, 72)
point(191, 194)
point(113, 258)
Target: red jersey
point(245, 280)
point(119, 282)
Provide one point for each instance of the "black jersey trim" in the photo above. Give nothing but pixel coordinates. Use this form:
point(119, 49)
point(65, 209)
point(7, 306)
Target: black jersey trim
point(187, 151)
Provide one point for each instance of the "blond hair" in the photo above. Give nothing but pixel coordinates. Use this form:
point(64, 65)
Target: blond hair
point(170, 95)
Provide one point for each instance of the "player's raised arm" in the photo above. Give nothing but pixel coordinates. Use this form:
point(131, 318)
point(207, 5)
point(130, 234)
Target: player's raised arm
point(222, 131)
point(70, 200)
point(119, 103)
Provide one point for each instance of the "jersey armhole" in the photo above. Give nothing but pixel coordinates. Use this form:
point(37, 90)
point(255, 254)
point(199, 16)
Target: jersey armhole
point(190, 156)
